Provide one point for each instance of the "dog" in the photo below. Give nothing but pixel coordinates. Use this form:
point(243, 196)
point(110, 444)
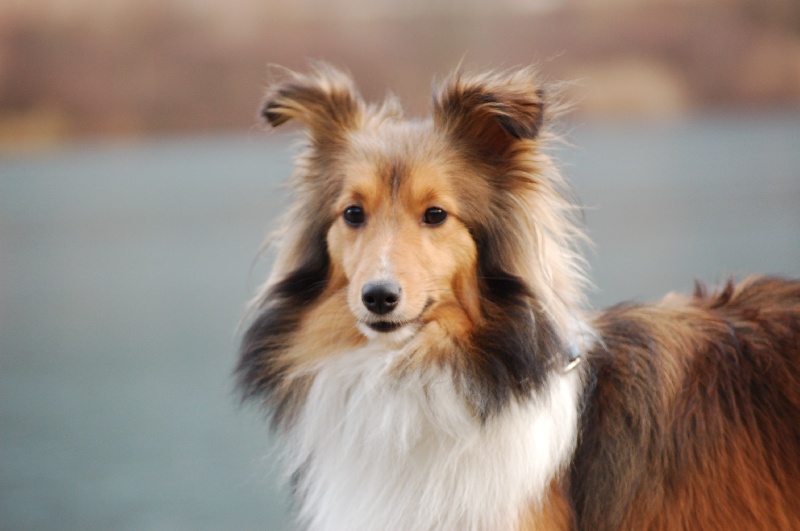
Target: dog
point(425, 352)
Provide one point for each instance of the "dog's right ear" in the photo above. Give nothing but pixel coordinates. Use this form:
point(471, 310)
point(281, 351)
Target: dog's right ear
point(324, 100)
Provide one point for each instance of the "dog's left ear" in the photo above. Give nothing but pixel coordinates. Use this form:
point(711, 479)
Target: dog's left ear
point(491, 112)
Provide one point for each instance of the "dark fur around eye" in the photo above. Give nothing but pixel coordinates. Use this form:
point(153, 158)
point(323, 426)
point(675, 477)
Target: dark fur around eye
point(434, 216)
point(354, 216)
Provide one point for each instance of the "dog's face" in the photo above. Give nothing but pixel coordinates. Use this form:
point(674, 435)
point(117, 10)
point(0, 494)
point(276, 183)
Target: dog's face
point(399, 244)
point(411, 214)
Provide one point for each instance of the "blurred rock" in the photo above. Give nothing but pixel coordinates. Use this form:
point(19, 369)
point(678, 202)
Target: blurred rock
point(629, 88)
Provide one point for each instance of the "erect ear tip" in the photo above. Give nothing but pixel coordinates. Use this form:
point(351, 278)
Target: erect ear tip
point(270, 115)
point(526, 119)
point(283, 97)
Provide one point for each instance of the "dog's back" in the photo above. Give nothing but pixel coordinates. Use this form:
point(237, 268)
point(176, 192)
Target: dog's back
point(693, 418)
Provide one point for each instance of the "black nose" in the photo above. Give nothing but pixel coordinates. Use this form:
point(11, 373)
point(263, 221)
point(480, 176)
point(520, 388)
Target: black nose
point(380, 297)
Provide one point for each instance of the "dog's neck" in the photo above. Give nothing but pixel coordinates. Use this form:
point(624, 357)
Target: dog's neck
point(373, 449)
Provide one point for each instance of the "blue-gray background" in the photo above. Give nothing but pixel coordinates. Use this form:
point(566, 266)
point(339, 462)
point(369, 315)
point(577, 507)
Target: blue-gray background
point(124, 271)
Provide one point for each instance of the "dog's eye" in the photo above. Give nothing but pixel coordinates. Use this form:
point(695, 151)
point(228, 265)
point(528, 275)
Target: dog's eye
point(434, 216)
point(354, 216)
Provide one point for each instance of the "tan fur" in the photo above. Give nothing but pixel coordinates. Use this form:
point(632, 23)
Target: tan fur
point(426, 261)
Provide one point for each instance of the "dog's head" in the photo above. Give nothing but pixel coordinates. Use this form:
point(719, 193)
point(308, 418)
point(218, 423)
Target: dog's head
point(453, 226)
point(406, 207)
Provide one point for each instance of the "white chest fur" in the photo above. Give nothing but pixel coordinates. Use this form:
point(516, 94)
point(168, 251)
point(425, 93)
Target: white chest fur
point(375, 451)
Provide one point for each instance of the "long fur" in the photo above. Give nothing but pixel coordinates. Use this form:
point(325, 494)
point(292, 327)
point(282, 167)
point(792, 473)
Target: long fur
point(461, 408)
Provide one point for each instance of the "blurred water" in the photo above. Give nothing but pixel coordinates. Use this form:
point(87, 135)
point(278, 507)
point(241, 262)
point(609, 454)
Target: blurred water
point(124, 271)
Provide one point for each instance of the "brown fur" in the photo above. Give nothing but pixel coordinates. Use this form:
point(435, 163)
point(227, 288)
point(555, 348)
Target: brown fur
point(693, 417)
point(691, 414)
point(555, 513)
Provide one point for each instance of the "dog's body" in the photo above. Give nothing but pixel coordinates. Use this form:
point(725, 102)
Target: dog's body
point(418, 343)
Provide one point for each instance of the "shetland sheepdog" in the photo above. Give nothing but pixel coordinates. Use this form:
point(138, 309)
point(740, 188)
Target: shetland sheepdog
point(428, 361)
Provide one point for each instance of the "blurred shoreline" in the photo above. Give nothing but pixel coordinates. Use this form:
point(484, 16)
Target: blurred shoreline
point(126, 69)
